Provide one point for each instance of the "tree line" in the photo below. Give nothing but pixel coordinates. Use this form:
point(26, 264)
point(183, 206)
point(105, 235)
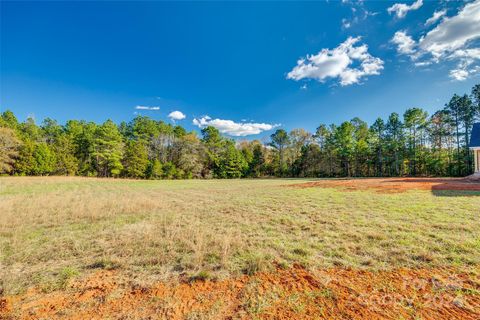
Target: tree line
point(414, 144)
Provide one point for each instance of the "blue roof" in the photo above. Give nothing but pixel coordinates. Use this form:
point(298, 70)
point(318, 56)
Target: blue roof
point(475, 139)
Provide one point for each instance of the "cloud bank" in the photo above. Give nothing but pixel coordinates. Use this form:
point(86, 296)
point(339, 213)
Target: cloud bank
point(337, 64)
point(453, 39)
point(233, 128)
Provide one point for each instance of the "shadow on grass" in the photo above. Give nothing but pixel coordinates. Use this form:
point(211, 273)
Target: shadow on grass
point(455, 193)
point(451, 187)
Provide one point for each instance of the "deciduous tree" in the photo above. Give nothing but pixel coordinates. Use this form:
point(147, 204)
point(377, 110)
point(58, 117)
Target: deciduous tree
point(9, 146)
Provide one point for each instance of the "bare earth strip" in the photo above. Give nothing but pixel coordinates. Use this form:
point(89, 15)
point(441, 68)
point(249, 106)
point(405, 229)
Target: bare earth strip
point(293, 293)
point(397, 185)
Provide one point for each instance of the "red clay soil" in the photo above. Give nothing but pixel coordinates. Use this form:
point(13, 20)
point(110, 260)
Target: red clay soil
point(293, 293)
point(396, 185)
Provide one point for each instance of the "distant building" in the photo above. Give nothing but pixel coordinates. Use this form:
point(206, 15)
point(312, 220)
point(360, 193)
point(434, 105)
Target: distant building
point(475, 146)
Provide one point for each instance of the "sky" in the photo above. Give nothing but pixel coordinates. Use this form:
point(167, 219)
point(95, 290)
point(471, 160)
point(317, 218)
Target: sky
point(246, 68)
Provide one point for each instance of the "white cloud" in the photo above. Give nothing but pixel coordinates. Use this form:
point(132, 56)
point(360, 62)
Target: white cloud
point(463, 73)
point(337, 62)
point(176, 115)
point(405, 43)
point(147, 108)
point(468, 55)
point(401, 9)
point(459, 74)
point(233, 128)
point(466, 66)
point(455, 32)
point(346, 24)
point(423, 63)
point(436, 16)
point(453, 39)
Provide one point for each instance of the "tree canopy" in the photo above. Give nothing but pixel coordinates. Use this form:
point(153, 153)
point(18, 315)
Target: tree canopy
point(415, 144)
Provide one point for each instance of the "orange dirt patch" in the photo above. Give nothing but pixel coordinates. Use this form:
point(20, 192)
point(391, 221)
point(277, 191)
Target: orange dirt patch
point(395, 185)
point(293, 293)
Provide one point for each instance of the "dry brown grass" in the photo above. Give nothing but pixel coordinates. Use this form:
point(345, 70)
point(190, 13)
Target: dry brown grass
point(53, 229)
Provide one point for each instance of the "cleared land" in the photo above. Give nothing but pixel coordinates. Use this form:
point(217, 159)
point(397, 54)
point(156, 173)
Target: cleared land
point(376, 248)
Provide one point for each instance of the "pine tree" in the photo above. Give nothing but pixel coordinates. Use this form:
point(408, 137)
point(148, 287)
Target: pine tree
point(395, 140)
point(8, 120)
point(231, 163)
point(64, 149)
point(108, 150)
point(280, 140)
point(25, 162)
point(345, 144)
point(414, 119)
point(82, 135)
point(45, 160)
point(213, 142)
point(377, 139)
point(258, 161)
point(154, 170)
point(135, 159)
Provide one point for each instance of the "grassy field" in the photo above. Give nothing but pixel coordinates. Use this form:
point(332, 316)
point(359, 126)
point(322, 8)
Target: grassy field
point(55, 229)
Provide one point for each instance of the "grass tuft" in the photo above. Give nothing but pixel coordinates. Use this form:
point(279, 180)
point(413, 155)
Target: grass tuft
point(201, 276)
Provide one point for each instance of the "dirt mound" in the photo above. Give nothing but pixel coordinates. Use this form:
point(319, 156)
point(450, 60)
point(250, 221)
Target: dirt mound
point(396, 185)
point(293, 293)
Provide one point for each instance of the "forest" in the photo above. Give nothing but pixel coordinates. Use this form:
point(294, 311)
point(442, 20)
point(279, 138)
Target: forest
point(412, 144)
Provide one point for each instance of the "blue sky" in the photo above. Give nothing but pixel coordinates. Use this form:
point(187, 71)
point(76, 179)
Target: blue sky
point(237, 63)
